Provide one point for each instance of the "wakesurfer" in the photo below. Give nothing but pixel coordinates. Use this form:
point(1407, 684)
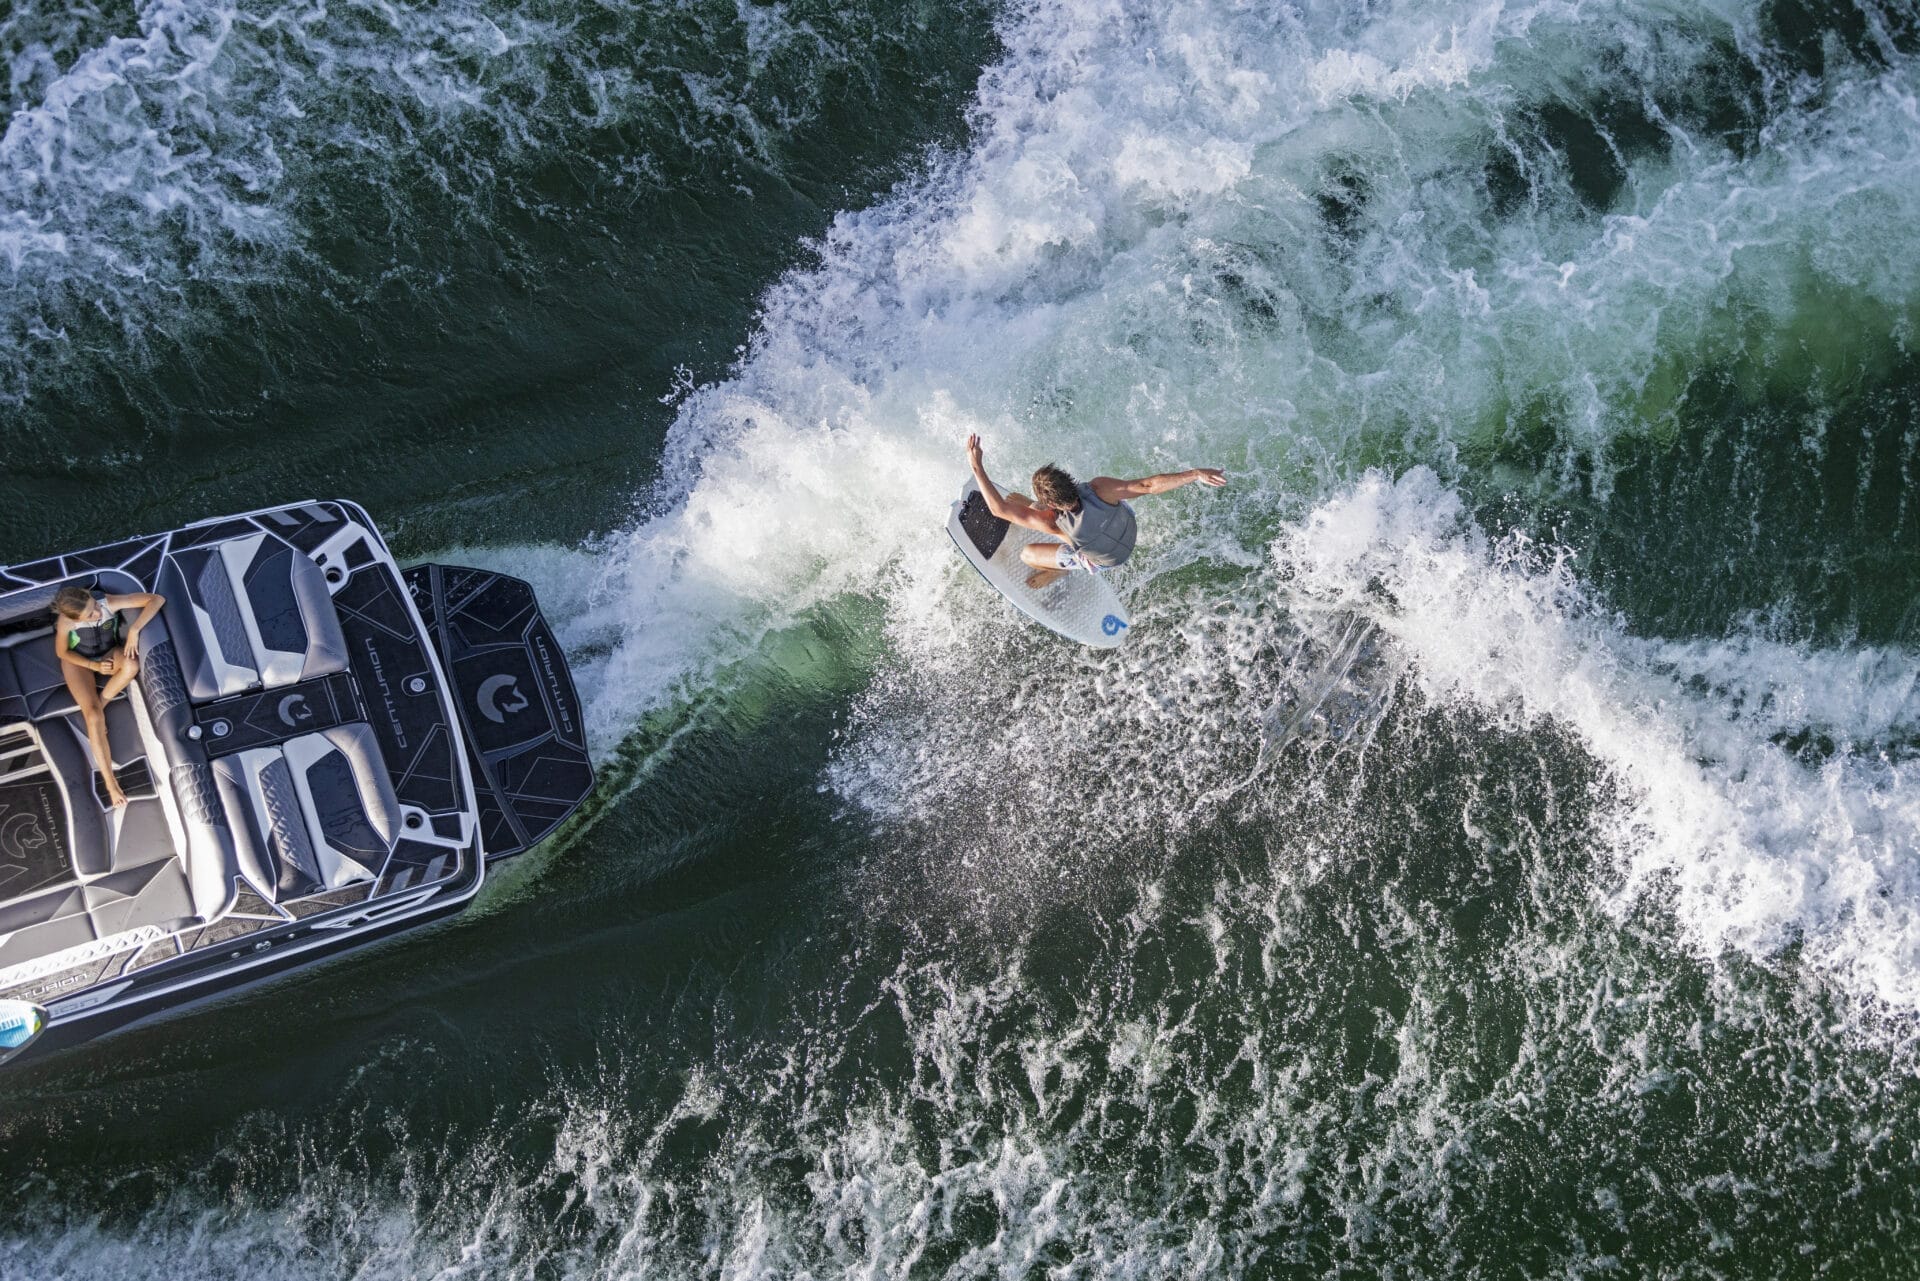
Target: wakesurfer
point(1093, 521)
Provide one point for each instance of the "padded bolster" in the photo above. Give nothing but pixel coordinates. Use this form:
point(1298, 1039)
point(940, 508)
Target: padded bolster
point(353, 812)
point(13, 699)
point(214, 655)
point(295, 630)
point(251, 855)
point(255, 613)
point(162, 686)
point(316, 812)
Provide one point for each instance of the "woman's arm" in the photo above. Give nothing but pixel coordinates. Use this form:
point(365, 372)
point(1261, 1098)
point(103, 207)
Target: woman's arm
point(148, 603)
point(1111, 490)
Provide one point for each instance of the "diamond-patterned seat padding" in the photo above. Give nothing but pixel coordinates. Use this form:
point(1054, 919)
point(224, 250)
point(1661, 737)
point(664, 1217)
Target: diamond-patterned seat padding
point(250, 613)
point(318, 812)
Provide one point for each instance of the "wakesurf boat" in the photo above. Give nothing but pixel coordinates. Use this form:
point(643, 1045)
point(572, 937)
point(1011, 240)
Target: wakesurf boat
point(320, 749)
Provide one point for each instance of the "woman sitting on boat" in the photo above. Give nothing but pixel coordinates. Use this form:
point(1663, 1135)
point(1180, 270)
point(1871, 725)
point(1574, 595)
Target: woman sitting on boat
point(92, 641)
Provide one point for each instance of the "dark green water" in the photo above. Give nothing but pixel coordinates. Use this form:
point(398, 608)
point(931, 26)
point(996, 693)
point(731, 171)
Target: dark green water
point(1492, 854)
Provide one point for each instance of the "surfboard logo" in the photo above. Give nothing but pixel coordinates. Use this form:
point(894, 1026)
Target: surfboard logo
point(500, 697)
point(1113, 624)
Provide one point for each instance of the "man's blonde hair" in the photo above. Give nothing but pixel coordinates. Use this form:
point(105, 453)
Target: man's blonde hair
point(1055, 488)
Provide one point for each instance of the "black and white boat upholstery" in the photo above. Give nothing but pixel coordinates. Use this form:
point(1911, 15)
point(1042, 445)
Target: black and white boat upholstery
point(302, 770)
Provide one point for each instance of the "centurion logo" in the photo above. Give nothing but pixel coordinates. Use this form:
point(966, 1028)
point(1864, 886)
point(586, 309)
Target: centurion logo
point(22, 831)
point(386, 693)
point(295, 711)
point(499, 698)
point(556, 688)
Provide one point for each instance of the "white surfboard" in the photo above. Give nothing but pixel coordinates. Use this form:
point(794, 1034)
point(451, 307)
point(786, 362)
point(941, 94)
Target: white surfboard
point(1080, 606)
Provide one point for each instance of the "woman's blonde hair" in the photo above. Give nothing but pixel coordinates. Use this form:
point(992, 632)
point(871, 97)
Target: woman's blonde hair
point(72, 600)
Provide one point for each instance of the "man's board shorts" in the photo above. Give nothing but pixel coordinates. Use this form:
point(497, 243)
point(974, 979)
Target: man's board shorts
point(1064, 557)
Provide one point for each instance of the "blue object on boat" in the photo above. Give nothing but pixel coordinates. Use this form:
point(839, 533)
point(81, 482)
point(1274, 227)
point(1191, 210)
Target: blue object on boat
point(20, 1023)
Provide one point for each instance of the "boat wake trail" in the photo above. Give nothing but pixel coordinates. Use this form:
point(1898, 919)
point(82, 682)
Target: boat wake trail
point(179, 172)
point(1750, 839)
point(1427, 887)
point(1306, 245)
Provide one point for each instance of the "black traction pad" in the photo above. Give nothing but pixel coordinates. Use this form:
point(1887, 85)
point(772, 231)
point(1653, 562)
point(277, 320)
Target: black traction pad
point(985, 530)
point(519, 712)
point(135, 779)
point(33, 837)
point(262, 718)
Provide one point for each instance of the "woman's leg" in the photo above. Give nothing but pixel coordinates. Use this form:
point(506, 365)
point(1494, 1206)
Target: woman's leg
point(125, 667)
point(94, 713)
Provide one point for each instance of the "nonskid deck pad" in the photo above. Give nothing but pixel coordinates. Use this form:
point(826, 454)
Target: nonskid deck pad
point(33, 837)
point(984, 529)
point(519, 711)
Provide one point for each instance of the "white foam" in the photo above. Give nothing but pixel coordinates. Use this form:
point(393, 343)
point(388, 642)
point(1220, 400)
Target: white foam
point(208, 148)
point(1128, 272)
point(1760, 847)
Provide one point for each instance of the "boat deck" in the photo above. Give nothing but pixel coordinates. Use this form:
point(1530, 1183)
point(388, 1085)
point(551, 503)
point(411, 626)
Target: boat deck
point(283, 749)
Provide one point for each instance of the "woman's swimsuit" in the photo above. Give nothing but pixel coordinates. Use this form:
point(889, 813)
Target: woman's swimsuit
point(95, 640)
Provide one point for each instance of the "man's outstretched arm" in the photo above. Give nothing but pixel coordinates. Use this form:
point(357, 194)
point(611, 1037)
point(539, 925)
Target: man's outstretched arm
point(1113, 490)
point(1008, 507)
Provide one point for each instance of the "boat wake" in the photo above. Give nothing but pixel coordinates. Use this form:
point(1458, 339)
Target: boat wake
point(1418, 890)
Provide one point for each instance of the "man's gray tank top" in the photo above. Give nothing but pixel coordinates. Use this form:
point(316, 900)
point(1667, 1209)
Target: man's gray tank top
point(1102, 533)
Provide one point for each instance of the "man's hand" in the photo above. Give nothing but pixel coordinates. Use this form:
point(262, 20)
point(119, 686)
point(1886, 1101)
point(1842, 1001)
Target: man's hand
point(1212, 477)
point(974, 455)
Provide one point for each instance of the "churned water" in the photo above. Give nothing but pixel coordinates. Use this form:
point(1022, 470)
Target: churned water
point(1493, 853)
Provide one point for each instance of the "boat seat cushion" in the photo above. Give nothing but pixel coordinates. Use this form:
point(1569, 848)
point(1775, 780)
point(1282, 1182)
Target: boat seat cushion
point(63, 743)
point(38, 676)
point(316, 812)
point(76, 914)
point(250, 613)
point(33, 680)
point(13, 699)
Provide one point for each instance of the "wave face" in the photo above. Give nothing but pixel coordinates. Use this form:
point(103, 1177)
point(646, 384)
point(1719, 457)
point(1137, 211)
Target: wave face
point(1492, 852)
point(1516, 251)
